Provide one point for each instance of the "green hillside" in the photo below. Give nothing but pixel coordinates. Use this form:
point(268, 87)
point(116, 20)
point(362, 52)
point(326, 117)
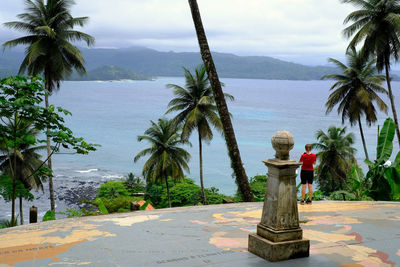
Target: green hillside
point(147, 62)
point(106, 73)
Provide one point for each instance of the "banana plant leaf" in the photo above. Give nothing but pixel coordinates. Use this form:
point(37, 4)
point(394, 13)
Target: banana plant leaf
point(385, 141)
point(392, 175)
point(356, 178)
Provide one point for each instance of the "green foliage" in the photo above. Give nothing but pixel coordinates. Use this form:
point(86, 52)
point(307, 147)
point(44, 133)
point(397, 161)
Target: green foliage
point(119, 204)
point(358, 184)
point(183, 194)
point(154, 191)
point(342, 195)
point(166, 157)
point(72, 213)
point(385, 178)
point(6, 188)
point(49, 216)
point(112, 189)
point(4, 223)
point(336, 158)
point(258, 185)
point(100, 204)
point(50, 30)
point(133, 184)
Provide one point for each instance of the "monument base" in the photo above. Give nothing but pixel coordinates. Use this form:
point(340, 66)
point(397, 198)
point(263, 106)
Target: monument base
point(278, 251)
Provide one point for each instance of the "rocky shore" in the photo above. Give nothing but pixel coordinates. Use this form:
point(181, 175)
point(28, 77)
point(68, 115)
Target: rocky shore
point(69, 194)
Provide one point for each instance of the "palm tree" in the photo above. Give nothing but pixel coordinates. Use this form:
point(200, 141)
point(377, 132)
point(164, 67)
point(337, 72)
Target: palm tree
point(50, 30)
point(355, 90)
point(233, 150)
point(197, 111)
point(166, 158)
point(28, 164)
point(377, 23)
point(336, 158)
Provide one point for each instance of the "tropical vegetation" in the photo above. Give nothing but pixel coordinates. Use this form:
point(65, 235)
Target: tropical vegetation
point(197, 111)
point(355, 91)
point(376, 25)
point(229, 133)
point(30, 173)
point(383, 174)
point(50, 28)
point(336, 158)
point(20, 102)
point(166, 156)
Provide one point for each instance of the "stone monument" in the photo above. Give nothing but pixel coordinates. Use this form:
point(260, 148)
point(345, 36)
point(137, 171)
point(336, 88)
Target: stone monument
point(279, 236)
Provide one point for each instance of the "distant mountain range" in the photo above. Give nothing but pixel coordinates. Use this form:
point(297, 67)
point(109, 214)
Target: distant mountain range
point(144, 62)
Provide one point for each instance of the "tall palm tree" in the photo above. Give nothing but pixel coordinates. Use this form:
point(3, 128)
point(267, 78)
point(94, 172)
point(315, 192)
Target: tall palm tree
point(28, 171)
point(336, 158)
point(50, 29)
point(197, 109)
point(166, 158)
point(377, 23)
point(355, 90)
point(233, 150)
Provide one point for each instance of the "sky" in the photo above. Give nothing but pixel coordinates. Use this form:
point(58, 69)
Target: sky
point(301, 31)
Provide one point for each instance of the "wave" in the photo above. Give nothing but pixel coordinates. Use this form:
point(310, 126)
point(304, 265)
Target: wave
point(87, 171)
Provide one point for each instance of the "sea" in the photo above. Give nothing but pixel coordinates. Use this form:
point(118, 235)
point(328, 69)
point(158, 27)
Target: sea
point(114, 113)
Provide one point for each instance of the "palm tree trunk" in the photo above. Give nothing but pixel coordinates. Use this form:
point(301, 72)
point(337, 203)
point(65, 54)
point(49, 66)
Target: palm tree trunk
point(169, 199)
point(49, 162)
point(14, 173)
point(203, 194)
point(392, 100)
point(21, 215)
point(362, 138)
point(234, 154)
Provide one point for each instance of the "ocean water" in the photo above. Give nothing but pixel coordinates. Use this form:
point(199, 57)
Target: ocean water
point(113, 114)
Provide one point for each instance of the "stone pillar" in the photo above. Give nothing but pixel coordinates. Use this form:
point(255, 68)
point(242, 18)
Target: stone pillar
point(279, 236)
point(33, 214)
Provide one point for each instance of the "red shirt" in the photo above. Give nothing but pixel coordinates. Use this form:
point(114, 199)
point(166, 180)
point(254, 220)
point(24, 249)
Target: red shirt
point(308, 161)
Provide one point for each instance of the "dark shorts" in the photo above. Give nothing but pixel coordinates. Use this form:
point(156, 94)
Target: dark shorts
point(307, 177)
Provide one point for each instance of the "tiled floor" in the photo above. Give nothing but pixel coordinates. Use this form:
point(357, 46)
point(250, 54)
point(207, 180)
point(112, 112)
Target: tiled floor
point(341, 234)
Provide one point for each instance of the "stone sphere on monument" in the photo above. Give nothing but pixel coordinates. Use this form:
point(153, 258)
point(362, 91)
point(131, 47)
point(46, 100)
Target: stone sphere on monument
point(282, 142)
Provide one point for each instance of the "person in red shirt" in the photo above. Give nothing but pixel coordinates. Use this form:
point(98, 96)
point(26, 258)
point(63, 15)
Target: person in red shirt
point(307, 173)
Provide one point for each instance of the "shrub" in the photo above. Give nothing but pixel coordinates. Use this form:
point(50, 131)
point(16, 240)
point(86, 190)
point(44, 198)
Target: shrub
point(100, 205)
point(258, 185)
point(133, 184)
point(112, 189)
point(154, 193)
point(120, 204)
point(342, 195)
point(183, 194)
point(7, 223)
point(49, 216)
point(71, 213)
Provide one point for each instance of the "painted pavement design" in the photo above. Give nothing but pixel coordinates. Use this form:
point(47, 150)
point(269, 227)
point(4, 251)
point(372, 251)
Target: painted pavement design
point(341, 234)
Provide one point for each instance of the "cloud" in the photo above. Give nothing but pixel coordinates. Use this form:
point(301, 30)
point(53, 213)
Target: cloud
point(289, 29)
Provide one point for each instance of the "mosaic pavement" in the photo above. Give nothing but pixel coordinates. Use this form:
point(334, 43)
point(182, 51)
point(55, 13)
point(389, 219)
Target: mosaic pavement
point(341, 234)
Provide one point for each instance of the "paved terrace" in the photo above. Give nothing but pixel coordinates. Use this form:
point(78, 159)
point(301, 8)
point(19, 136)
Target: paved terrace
point(341, 234)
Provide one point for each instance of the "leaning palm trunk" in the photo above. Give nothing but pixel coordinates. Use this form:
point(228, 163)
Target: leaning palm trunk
point(234, 154)
point(392, 101)
point(203, 194)
point(363, 139)
point(49, 162)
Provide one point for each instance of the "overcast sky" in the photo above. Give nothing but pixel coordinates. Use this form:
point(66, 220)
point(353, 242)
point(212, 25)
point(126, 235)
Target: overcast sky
point(304, 31)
